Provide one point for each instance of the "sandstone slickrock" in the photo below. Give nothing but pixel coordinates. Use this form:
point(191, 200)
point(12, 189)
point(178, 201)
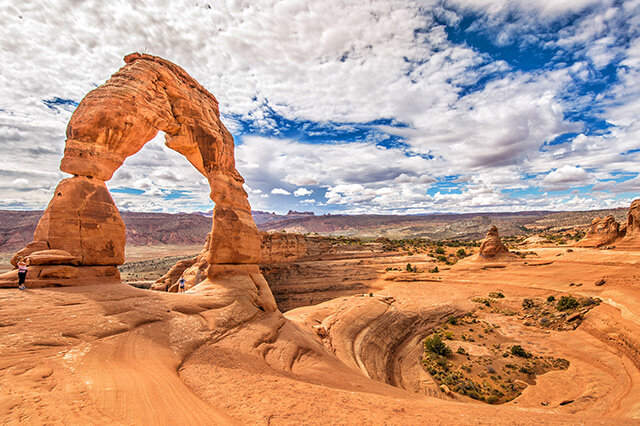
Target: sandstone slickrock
point(602, 232)
point(114, 121)
point(492, 246)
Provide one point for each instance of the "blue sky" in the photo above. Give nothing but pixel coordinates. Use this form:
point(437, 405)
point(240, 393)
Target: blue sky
point(348, 107)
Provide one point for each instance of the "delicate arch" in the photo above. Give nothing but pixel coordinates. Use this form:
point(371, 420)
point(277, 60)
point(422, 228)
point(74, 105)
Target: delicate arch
point(114, 121)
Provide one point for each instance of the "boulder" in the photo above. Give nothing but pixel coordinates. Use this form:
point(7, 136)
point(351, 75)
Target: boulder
point(30, 248)
point(602, 232)
point(52, 257)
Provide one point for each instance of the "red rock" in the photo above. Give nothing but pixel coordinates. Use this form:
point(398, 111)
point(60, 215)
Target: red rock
point(283, 247)
point(82, 219)
point(52, 257)
point(631, 236)
point(30, 248)
point(601, 232)
point(492, 245)
point(113, 122)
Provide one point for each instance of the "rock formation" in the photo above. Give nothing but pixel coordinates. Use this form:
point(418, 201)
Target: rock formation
point(113, 122)
point(602, 232)
point(630, 234)
point(282, 247)
point(492, 246)
point(275, 248)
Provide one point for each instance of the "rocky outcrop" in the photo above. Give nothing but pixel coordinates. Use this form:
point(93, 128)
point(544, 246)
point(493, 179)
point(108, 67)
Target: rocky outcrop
point(282, 247)
point(602, 232)
point(113, 122)
point(275, 248)
point(492, 246)
point(630, 234)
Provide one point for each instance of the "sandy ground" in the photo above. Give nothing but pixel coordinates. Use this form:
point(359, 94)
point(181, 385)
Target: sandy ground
point(113, 354)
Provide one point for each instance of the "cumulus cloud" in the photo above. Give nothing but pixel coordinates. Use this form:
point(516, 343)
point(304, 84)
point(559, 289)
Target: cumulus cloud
point(280, 191)
point(451, 124)
point(301, 192)
point(565, 177)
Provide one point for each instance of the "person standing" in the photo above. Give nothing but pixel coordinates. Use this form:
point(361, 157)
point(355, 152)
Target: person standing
point(182, 284)
point(22, 273)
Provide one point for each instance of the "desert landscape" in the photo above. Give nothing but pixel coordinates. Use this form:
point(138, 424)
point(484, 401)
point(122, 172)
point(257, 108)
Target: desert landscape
point(454, 325)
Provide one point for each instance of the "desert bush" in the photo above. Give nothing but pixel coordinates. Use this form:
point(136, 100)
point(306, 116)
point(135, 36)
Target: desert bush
point(452, 320)
point(528, 303)
point(435, 270)
point(518, 350)
point(551, 299)
point(434, 344)
point(496, 295)
point(439, 250)
point(461, 253)
point(567, 302)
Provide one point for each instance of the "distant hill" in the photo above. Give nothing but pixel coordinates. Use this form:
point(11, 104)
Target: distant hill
point(17, 227)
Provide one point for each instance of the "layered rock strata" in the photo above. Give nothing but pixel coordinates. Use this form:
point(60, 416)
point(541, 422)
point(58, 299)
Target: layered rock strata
point(275, 248)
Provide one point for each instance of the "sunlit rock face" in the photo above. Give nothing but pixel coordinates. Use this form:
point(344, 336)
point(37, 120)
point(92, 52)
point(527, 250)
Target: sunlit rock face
point(602, 232)
point(114, 121)
point(492, 245)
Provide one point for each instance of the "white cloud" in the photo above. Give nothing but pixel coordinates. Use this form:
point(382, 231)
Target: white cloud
point(280, 191)
point(301, 192)
point(566, 177)
point(342, 64)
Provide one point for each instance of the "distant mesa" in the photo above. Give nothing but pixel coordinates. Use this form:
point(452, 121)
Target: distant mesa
point(295, 213)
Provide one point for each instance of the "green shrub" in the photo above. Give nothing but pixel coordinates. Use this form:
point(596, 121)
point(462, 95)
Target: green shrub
point(567, 302)
point(439, 250)
point(496, 295)
point(528, 303)
point(550, 299)
point(434, 344)
point(461, 253)
point(435, 270)
point(461, 351)
point(452, 320)
point(518, 350)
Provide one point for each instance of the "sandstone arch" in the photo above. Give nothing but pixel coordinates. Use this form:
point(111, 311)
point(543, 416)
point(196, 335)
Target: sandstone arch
point(82, 225)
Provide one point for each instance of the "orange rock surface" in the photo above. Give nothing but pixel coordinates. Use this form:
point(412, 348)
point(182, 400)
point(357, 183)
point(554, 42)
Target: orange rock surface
point(113, 122)
point(602, 232)
point(83, 220)
point(492, 246)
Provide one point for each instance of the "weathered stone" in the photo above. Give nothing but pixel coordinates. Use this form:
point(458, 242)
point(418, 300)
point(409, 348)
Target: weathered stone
point(61, 271)
point(602, 231)
point(30, 248)
point(283, 247)
point(83, 220)
point(52, 257)
point(492, 245)
point(113, 122)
